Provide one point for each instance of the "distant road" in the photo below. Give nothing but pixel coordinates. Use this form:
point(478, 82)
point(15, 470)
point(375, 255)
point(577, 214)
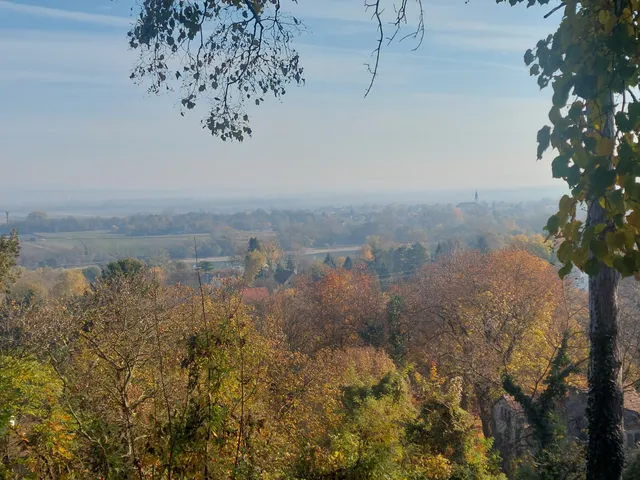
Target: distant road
point(305, 251)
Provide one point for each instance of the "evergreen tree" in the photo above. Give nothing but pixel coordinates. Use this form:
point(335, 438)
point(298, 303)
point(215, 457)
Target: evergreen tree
point(399, 260)
point(382, 270)
point(397, 337)
point(206, 266)
point(127, 267)
point(448, 247)
point(254, 244)
point(348, 263)
point(417, 256)
point(9, 250)
point(91, 273)
point(290, 263)
point(482, 244)
point(329, 261)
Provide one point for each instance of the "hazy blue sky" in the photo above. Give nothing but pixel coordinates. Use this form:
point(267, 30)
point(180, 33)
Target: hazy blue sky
point(462, 112)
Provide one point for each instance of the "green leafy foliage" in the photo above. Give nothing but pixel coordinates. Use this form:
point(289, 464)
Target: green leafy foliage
point(404, 426)
point(549, 457)
point(329, 261)
point(36, 431)
point(589, 63)
point(128, 267)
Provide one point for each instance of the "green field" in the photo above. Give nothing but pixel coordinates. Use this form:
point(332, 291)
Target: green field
point(78, 249)
point(113, 242)
point(112, 245)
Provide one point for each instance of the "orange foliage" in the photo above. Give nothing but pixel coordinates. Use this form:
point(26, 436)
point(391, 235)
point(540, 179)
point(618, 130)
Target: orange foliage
point(330, 312)
point(482, 315)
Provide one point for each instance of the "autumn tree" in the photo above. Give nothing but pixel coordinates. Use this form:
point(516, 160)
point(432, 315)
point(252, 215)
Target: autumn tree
point(255, 262)
point(37, 434)
point(534, 244)
point(480, 315)
point(390, 423)
point(540, 411)
point(590, 62)
point(331, 311)
point(70, 282)
point(30, 289)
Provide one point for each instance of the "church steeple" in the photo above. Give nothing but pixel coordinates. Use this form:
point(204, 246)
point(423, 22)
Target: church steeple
point(477, 196)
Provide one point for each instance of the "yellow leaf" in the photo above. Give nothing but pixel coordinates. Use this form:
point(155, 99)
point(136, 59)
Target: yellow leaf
point(580, 256)
point(604, 146)
point(633, 219)
point(602, 16)
point(611, 22)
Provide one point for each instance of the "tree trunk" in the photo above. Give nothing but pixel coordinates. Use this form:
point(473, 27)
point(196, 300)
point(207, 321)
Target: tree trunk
point(605, 454)
point(485, 404)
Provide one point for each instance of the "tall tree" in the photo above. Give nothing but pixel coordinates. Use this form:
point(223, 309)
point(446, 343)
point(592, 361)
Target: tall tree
point(447, 248)
point(488, 312)
point(593, 55)
point(417, 256)
point(70, 282)
point(254, 244)
point(329, 261)
point(291, 264)
point(482, 245)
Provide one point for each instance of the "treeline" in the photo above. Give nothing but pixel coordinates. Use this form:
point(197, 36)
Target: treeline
point(296, 228)
point(475, 225)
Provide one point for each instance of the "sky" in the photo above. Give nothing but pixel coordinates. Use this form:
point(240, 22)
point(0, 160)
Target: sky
point(461, 112)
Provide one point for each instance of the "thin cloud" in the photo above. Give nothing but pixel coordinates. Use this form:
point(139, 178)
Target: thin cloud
point(437, 18)
point(60, 14)
point(48, 77)
point(486, 43)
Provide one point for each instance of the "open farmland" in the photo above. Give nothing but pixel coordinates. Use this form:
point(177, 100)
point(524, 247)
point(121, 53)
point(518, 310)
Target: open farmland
point(70, 249)
point(114, 243)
